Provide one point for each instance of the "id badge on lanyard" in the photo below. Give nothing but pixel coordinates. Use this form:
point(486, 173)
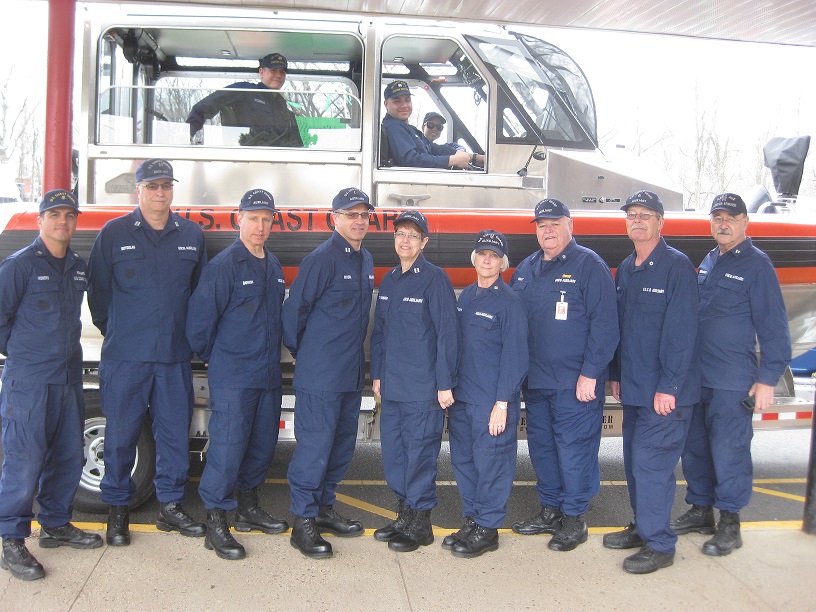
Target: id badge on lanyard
point(561, 308)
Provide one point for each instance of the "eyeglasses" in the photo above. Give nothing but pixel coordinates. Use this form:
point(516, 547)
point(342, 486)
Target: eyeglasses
point(644, 216)
point(434, 126)
point(353, 216)
point(157, 186)
point(719, 220)
point(401, 235)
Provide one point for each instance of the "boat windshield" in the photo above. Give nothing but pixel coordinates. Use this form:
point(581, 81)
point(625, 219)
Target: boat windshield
point(547, 92)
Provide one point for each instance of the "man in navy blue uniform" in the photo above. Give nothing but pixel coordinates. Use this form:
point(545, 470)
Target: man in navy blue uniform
point(325, 321)
point(266, 114)
point(570, 299)
point(740, 303)
point(41, 402)
point(234, 324)
point(407, 145)
point(143, 268)
point(414, 349)
point(484, 419)
point(655, 377)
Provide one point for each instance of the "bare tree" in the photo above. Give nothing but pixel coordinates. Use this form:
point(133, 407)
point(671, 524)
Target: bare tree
point(21, 137)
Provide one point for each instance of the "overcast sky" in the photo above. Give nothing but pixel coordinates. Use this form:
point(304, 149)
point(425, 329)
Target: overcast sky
point(645, 86)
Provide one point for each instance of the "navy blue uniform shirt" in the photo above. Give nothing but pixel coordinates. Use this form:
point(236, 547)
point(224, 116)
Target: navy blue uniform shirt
point(234, 319)
point(267, 115)
point(40, 309)
point(494, 355)
point(582, 344)
point(141, 281)
point(410, 147)
point(415, 343)
point(325, 317)
point(740, 301)
point(657, 307)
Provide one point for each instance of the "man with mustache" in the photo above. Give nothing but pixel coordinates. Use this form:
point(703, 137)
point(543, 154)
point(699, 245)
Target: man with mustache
point(740, 303)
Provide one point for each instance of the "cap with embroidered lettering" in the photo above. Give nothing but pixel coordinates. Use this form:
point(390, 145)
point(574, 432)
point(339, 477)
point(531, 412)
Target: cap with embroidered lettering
point(491, 240)
point(414, 216)
point(550, 208)
point(646, 198)
point(257, 199)
point(349, 197)
point(729, 202)
point(154, 169)
point(396, 89)
point(273, 61)
point(57, 198)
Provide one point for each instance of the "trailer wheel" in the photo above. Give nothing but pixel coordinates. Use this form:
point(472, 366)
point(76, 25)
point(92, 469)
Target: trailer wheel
point(88, 496)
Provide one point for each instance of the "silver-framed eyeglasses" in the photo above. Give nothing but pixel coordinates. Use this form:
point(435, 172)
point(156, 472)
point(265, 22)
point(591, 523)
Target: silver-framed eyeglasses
point(402, 235)
point(157, 186)
point(353, 216)
point(643, 216)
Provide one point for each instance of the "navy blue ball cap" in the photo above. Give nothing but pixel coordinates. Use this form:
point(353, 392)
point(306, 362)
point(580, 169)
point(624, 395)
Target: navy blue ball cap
point(273, 61)
point(433, 115)
point(349, 197)
point(550, 209)
point(396, 88)
point(154, 169)
point(56, 198)
point(491, 240)
point(413, 216)
point(729, 202)
point(646, 198)
point(257, 199)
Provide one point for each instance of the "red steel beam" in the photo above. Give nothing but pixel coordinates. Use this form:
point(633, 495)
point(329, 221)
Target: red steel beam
point(60, 70)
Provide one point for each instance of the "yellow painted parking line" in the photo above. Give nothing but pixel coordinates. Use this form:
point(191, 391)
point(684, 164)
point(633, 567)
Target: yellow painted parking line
point(771, 525)
point(89, 526)
point(358, 503)
point(438, 531)
point(798, 498)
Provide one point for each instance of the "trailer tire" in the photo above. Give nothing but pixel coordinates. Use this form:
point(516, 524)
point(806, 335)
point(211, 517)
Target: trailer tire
point(88, 497)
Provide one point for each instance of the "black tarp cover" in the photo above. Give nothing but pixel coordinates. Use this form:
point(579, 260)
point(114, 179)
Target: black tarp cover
point(786, 159)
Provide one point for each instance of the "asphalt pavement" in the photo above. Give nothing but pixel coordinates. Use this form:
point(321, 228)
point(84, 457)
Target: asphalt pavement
point(774, 570)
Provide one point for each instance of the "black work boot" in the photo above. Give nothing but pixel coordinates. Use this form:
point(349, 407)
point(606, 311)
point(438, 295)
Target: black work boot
point(329, 520)
point(727, 537)
point(419, 532)
point(220, 539)
point(172, 517)
point(118, 533)
point(307, 539)
point(395, 527)
point(546, 521)
point(68, 535)
point(250, 515)
point(625, 538)
point(697, 518)
point(21, 563)
point(572, 533)
point(647, 561)
point(480, 541)
point(464, 531)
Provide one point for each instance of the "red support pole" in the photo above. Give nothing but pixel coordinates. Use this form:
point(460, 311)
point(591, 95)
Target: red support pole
point(60, 70)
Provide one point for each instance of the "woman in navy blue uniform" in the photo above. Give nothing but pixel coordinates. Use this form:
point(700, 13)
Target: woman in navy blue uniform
point(484, 420)
point(414, 348)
